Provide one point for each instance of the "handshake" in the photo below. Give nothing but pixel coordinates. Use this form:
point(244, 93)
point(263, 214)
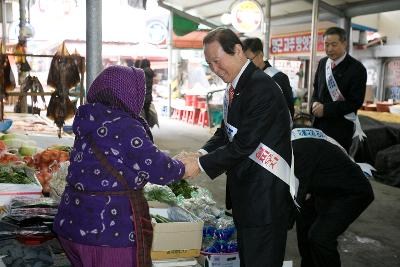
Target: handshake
point(190, 160)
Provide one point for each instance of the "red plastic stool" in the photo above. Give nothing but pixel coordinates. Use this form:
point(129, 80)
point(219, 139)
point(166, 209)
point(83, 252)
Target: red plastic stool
point(193, 116)
point(177, 114)
point(203, 117)
point(185, 115)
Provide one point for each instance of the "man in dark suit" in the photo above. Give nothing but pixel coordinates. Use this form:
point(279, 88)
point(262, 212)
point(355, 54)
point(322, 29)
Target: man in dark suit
point(333, 192)
point(335, 109)
point(253, 49)
point(253, 147)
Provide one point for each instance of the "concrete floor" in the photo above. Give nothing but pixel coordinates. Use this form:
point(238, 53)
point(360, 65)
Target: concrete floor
point(373, 240)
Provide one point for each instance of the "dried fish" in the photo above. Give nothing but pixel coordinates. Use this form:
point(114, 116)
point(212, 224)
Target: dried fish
point(63, 75)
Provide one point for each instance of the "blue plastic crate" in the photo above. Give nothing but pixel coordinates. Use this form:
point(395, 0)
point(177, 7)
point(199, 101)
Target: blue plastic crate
point(5, 125)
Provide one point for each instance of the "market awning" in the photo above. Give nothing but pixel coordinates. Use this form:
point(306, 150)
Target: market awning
point(284, 13)
point(192, 40)
point(122, 50)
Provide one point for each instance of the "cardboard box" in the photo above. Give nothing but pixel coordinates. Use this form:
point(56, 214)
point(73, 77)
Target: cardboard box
point(219, 259)
point(175, 239)
point(190, 262)
point(226, 260)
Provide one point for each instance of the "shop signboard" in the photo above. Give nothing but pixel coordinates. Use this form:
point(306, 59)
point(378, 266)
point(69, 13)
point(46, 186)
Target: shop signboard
point(246, 16)
point(392, 80)
point(156, 32)
point(393, 73)
point(297, 43)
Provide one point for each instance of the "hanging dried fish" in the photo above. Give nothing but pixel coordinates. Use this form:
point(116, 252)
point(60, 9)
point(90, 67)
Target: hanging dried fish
point(2, 78)
point(79, 61)
point(37, 88)
point(20, 59)
point(63, 62)
point(60, 109)
point(31, 83)
point(7, 80)
point(63, 75)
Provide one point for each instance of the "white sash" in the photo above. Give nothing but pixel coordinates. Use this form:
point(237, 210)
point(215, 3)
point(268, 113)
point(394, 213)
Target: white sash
point(266, 157)
point(300, 133)
point(271, 71)
point(337, 96)
point(275, 164)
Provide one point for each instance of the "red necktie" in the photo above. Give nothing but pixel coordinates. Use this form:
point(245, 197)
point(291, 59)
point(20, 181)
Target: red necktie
point(231, 93)
point(333, 65)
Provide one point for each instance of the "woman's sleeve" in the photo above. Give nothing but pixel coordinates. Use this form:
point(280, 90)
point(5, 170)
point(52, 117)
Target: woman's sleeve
point(149, 161)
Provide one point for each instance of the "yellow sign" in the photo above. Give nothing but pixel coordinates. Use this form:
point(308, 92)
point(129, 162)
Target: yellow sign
point(246, 16)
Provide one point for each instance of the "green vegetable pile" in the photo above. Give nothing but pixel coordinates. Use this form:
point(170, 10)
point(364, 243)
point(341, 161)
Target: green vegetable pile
point(16, 174)
point(182, 187)
point(15, 178)
point(160, 219)
point(159, 193)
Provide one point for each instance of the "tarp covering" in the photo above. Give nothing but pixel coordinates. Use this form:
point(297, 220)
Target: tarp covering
point(375, 148)
point(183, 26)
point(388, 165)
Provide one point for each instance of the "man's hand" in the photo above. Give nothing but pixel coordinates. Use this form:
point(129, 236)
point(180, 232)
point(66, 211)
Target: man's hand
point(192, 168)
point(185, 154)
point(318, 109)
point(190, 160)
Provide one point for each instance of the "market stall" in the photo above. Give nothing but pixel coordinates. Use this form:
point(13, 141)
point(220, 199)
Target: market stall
point(26, 208)
point(188, 226)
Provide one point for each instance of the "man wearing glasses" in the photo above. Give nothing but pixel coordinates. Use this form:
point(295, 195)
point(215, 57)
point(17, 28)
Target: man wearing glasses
point(253, 49)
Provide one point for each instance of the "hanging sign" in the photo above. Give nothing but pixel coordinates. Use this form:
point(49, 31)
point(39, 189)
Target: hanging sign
point(156, 32)
point(246, 16)
point(295, 43)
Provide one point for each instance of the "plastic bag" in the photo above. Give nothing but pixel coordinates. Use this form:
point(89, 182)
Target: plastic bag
point(159, 193)
point(17, 254)
point(202, 205)
point(59, 181)
point(178, 214)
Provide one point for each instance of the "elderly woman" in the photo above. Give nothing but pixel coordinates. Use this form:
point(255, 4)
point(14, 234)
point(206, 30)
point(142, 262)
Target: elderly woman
point(103, 218)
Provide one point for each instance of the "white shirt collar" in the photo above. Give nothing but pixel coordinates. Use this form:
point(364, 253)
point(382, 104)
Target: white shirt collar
point(337, 61)
point(236, 80)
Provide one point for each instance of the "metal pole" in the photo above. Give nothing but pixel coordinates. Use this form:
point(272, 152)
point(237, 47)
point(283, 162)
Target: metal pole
point(93, 40)
point(4, 26)
point(313, 50)
point(267, 23)
point(345, 23)
point(22, 19)
point(3, 49)
point(170, 44)
point(347, 28)
point(22, 42)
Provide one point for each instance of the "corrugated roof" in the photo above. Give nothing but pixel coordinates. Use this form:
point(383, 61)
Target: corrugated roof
point(284, 13)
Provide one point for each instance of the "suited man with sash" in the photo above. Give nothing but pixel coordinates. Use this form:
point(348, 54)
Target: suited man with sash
point(339, 90)
point(252, 146)
point(333, 192)
point(253, 49)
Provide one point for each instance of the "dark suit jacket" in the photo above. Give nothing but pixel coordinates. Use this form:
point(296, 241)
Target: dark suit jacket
point(283, 81)
point(259, 112)
point(326, 172)
point(351, 78)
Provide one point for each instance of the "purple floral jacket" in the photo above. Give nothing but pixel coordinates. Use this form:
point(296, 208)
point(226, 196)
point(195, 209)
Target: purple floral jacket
point(106, 220)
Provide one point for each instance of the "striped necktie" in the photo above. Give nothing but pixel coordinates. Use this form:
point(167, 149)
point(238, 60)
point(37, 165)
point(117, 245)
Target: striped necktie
point(231, 93)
